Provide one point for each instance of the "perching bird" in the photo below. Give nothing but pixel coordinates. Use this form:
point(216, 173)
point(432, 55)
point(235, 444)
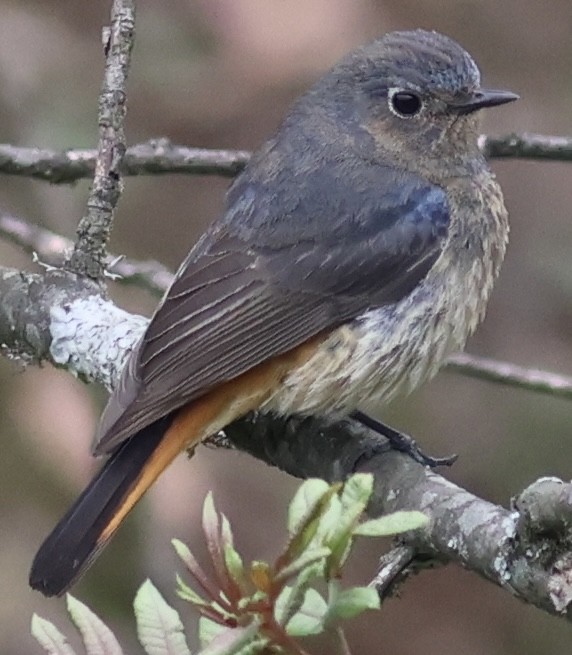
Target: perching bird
point(358, 249)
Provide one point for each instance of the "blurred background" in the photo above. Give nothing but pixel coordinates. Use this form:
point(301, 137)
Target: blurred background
point(221, 73)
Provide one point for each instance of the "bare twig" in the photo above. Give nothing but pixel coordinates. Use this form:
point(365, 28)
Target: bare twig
point(512, 375)
point(89, 254)
point(51, 249)
point(392, 566)
point(155, 157)
point(527, 146)
point(160, 157)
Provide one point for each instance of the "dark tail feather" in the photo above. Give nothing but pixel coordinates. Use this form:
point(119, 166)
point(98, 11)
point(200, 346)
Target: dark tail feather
point(83, 532)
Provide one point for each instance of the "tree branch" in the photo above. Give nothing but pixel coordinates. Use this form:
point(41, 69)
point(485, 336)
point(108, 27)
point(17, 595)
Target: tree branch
point(535, 566)
point(154, 157)
point(63, 319)
point(527, 146)
point(512, 375)
point(62, 316)
point(89, 254)
point(160, 157)
point(51, 249)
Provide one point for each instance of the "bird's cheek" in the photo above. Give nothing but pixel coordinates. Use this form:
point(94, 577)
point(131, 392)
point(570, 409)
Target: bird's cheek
point(432, 135)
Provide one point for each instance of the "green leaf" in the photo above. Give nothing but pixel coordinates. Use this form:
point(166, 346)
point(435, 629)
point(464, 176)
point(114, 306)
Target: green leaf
point(351, 602)
point(159, 627)
point(49, 637)
point(392, 524)
point(211, 529)
point(309, 619)
point(307, 558)
point(234, 565)
point(187, 593)
point(356, 492)
point(97, 637)
point(309, 494)
point(233, 641)
point(195, 569)
point(329, 522)
point(290, 599)
point(208, 630)
point(218, 534)
point(226, 531)
point(354, 498)
point(305, 513)
point(210, 516)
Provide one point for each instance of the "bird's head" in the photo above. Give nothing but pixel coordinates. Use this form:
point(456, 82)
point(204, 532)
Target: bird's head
point(417, 93)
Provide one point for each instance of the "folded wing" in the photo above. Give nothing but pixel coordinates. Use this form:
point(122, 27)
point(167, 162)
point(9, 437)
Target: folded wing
point(247, 294)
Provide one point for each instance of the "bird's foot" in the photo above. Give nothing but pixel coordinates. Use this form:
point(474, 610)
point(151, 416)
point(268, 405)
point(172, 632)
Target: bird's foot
point(403, 442)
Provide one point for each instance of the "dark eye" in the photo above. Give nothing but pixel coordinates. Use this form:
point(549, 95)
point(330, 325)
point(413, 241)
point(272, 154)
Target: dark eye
point(405, 103)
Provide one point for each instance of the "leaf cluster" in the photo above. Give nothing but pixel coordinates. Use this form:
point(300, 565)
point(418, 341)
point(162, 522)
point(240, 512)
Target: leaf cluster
point(260, 607)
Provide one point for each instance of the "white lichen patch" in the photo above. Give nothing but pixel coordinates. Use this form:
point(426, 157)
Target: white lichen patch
point(92, 338)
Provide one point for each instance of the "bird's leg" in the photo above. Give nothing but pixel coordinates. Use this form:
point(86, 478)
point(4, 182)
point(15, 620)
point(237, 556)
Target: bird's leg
point(402, 442)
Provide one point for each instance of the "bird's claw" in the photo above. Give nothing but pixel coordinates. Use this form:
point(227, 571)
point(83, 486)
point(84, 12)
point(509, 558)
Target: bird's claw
point(403, 442)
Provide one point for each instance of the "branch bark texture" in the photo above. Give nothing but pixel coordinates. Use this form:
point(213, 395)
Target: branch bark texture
point(89, 253)
point(499, 544)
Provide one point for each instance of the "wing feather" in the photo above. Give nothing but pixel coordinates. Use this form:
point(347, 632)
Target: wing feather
point(241, 299)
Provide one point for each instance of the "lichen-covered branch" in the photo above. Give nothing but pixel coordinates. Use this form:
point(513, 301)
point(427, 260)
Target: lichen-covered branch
point(160, 157)
point(89, 254)
point(62, 318)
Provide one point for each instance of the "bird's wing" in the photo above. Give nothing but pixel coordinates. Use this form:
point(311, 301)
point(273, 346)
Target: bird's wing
point(247, 293)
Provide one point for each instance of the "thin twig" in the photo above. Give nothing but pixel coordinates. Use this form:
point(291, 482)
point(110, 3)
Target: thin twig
point(51, 249)
point(160, 157)
point(391, 567)
point(527, 146)
point(512, 375)
point(89, 254)
point(155, 157)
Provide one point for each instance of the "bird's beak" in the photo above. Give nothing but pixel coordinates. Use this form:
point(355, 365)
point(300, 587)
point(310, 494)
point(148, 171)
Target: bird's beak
point(483, 98)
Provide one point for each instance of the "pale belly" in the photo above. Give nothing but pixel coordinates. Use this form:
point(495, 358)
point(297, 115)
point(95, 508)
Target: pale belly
point(385, 353)
point(391, 350)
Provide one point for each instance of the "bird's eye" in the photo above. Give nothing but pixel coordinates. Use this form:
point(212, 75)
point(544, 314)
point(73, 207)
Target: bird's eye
point(405, 104)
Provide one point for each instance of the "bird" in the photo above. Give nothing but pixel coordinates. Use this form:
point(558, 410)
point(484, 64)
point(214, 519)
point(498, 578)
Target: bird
point(357, 250)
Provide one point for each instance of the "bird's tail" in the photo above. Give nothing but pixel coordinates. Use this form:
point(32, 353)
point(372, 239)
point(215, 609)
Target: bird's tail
point(137, 463)
point(93, 519)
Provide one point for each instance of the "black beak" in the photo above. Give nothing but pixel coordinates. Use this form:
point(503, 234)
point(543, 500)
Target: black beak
point(483, 98)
